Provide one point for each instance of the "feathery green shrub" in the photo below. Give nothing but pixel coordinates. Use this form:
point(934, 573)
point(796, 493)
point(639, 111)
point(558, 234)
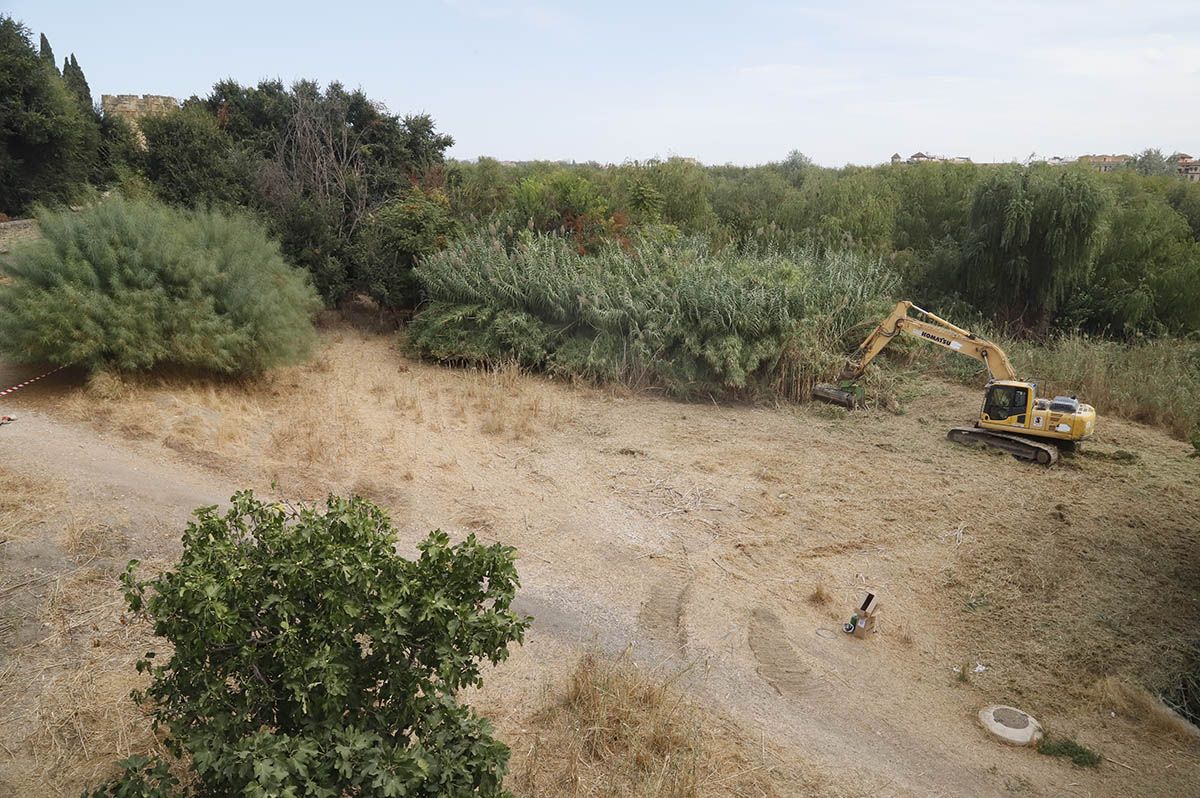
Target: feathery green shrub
point(134, 285)
point(675, 316)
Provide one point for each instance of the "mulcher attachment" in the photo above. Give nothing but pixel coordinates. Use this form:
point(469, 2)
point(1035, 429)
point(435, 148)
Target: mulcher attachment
point(847, 394)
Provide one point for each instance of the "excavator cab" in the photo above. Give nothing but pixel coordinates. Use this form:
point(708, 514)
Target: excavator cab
point(1008, 403)
point(1011, 405)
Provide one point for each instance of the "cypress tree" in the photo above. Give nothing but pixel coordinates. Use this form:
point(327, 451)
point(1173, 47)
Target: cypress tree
point(76, 83)
point(47, 143)
point(46, 53)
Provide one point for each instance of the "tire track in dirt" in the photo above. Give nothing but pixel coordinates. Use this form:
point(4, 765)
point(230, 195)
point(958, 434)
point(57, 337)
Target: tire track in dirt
point(778, 663)
point(661, 617)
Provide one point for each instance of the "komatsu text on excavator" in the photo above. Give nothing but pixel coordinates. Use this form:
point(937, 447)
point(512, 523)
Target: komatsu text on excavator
point(1013, 417)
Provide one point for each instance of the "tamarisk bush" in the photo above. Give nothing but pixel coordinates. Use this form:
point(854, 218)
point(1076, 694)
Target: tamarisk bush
point(134, 285)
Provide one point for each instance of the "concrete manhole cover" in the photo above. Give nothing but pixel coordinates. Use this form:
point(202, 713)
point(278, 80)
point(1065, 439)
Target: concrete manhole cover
point(1010, 725)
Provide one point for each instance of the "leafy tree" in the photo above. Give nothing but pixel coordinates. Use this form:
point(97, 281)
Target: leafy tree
point(1184, 198)
point(933, 202)
point(1146, 274)
point(558, 200)
point(746, 199)
point(135, 285)
point(645, 201)
point(422, 146)
point(1152, 162)
point(47, 142)
point(1035, 232)
point(190, 160)
point(855, 211)
point(119, 155)
point(318, 161)
point(46, 53)
point(794, 168)
point(76, 83)
point(254, 116)
point(141, 777)
point(392, 240)
point(479, 189)
point(309, 658)
point(687, 193)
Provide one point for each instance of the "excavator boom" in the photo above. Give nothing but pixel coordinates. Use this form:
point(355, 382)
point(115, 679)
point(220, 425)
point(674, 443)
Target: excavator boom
point(933, 328)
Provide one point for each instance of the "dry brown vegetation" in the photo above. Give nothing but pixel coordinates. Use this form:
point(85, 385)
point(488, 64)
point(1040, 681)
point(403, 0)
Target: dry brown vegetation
point(1075, 607)
point(23, 501)
point(736, 536)
point(348, 412)
point(1138, 704)
point(67, 652)
point(613, 728)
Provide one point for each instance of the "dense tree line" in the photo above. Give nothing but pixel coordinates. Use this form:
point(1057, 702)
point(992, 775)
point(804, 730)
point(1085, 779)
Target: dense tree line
point(357, 196)
point(53, 141)
point(351, 192)
point(1035, 248)
point(331, 172)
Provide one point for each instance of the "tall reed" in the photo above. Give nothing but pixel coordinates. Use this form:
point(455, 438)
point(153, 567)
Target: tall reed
point(673, 315)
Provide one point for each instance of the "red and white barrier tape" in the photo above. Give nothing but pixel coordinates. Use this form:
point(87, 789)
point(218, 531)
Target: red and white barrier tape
point(7, 391)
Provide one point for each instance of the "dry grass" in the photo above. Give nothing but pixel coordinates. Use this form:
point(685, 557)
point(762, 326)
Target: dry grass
point(905, 633)
point(616, 729)
point(86, 540)
point(66, 651)
point(24, 501)
point(357, 410)
point(64, 699)
point(1081, 593)
point(1138, 704)
point(1071, 574)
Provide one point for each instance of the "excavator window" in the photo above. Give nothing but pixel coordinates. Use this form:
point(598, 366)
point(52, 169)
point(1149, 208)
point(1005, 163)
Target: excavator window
point(1006, 401)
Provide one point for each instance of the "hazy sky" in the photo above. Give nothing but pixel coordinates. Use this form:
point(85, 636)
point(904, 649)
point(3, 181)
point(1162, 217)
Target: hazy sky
point(741, 82)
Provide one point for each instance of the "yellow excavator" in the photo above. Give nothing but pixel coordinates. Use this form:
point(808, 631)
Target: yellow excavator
point(1013, 417)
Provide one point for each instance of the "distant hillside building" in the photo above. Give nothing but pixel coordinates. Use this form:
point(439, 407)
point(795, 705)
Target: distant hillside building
point(1188, 168)
point(1105, 163)
point(920, 157)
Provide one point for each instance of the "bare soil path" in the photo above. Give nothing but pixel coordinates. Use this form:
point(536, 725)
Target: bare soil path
point(696, 535)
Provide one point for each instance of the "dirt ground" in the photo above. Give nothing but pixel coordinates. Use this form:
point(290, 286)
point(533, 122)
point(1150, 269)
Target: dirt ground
point(726, 542)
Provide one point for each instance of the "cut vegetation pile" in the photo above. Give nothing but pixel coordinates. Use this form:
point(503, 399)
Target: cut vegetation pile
point(675, 316)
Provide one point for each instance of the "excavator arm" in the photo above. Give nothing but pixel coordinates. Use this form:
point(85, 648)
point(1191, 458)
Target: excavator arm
point(928, 327)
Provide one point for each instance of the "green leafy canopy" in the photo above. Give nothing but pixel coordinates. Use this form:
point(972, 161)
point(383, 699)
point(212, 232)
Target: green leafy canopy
point(309, 658)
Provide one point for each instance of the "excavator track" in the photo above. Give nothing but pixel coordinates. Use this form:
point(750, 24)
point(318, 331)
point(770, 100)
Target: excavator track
point(1018, 446)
